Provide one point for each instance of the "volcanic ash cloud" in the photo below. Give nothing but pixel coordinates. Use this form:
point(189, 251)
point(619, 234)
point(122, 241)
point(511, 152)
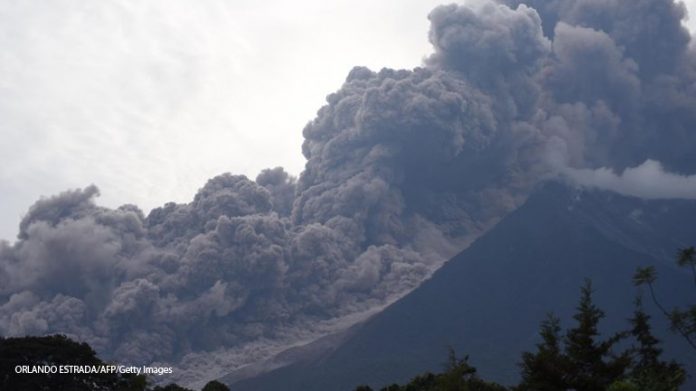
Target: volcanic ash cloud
point(404, 167)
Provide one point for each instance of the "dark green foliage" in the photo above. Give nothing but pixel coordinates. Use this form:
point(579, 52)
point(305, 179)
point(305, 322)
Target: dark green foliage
point(623, 385)
point(649, 372)
point(215, 386)
point(60, 350)
point(578, 360)
point(686, 257)
point(545, 370)
point(683, 320)
point(584, 363)
point(591, 365)
point(645, 275)
point(171, 387)
point(57, 350)
point(458, 376)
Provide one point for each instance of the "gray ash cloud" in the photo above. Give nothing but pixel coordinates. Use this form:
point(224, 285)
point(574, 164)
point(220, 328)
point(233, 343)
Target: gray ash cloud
point(404, 167)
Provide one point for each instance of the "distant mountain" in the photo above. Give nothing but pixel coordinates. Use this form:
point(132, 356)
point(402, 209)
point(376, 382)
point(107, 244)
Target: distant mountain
point(488, 301)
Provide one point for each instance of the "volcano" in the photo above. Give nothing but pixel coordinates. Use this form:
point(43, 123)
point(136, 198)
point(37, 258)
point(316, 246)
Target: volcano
point(487, 302)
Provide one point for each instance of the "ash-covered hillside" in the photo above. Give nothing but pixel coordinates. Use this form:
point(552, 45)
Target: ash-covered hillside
point(487, 302)
point(404, 169)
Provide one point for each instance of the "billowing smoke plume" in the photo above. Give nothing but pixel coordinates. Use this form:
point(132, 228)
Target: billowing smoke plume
point(621, 80)
point(404, 167)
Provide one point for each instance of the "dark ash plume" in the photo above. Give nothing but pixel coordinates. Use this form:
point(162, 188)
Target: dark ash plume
point(404, 168)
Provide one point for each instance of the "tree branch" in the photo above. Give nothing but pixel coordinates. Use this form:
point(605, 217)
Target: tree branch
point(679, 329)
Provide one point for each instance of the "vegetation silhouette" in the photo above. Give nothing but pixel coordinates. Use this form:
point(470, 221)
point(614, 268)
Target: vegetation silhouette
point(60, 350)
point(576, 360)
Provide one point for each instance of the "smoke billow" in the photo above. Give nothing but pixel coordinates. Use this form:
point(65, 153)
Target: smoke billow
point(404, 168)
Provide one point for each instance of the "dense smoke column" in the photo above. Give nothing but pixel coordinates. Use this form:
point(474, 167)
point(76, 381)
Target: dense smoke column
point(282, 188)
point(433, 140)
point(622, 78)
point(404, 167)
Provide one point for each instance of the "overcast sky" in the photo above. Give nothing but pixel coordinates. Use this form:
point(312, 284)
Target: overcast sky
point(149, 99)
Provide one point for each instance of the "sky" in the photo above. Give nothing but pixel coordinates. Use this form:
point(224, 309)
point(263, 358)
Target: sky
point(149, 99)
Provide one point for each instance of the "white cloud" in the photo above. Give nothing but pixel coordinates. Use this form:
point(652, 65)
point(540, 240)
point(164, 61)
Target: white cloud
point(691, 22)
point(648, 180)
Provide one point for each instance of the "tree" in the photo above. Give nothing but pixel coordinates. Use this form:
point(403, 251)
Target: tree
point(57, 350)
point(649, 372)
point(683, 321)
point(583, 363)
point(215, 386)
point(623, 385)
point(579, 360)
point(591, 363)
point(459, 375)
point(171, 387)
point(546, 369)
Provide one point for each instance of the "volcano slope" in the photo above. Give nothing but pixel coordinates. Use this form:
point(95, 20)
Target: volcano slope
point(488, 301)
